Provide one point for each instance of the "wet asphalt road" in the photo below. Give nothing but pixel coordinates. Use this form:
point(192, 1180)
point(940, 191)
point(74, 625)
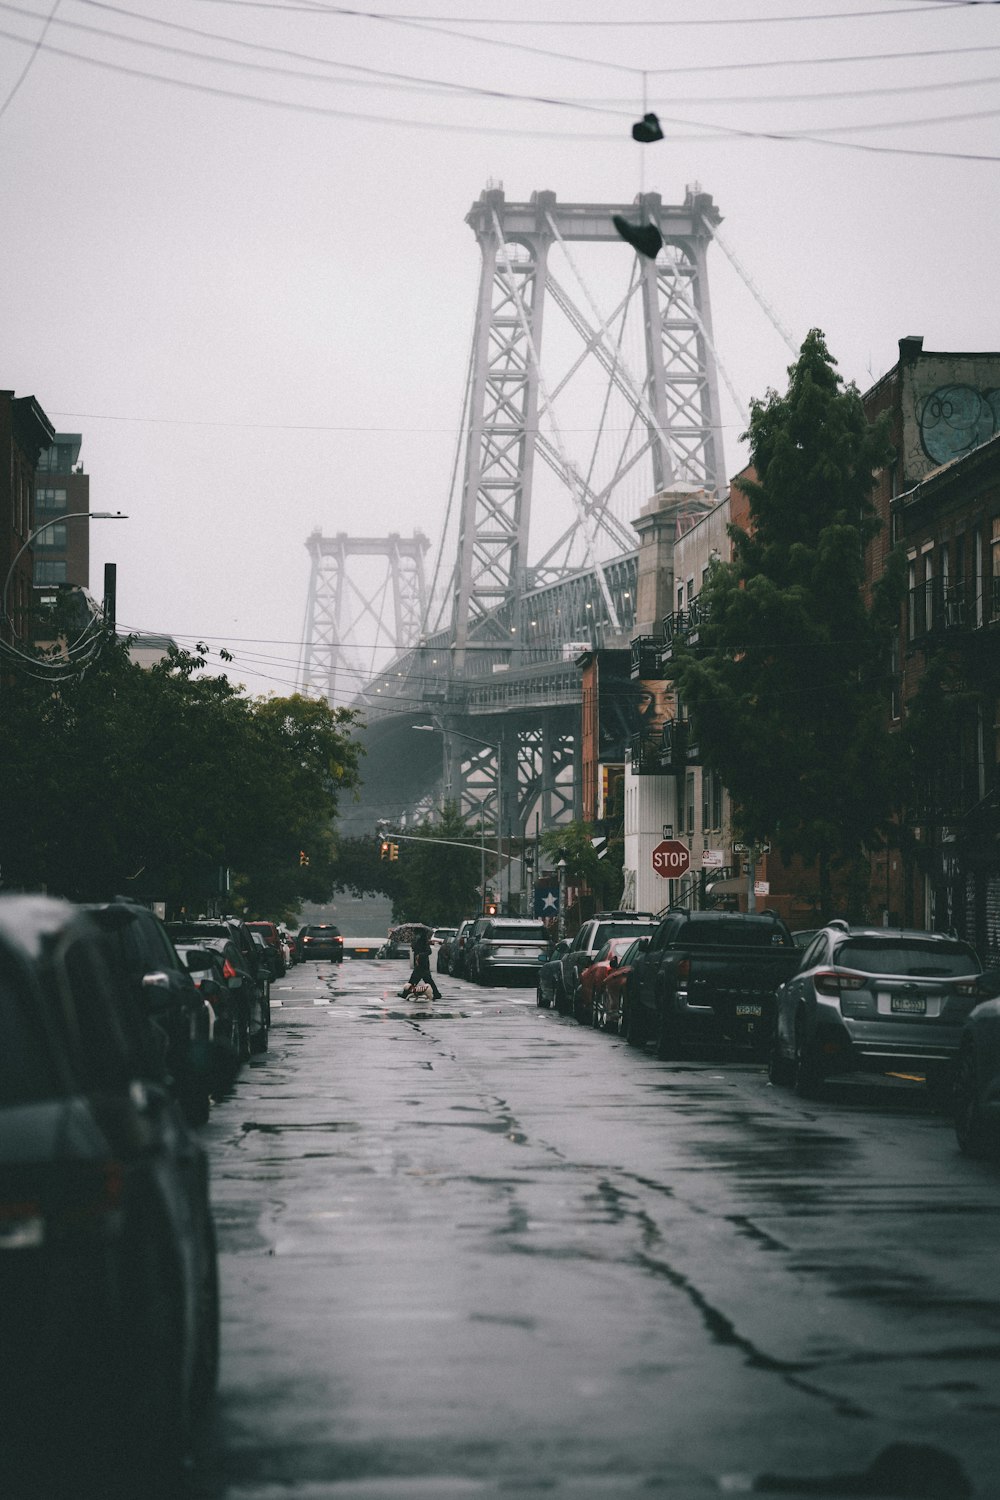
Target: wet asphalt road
point(470, 1248)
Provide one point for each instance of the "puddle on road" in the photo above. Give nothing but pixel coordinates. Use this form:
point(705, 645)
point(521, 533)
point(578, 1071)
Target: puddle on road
point(277, 1128)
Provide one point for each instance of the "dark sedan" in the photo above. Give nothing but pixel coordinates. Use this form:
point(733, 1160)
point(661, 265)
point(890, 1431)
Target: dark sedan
point(549, 974)
point(109, 1313)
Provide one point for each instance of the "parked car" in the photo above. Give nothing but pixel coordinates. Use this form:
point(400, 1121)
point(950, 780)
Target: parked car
point(607, 1005)
point(161, 986)
point(394, 946)
point(708, 979)
point(275, 950)
point(242, 958)
point(469, 961)
point(321, 940)
point(589, 1004)
point(439, 937)
point(592, 936)
point(456, 948)
point(229, 1031)
point(873, 999)
point(976, 1094)
point(109, 1313)
point(549, 973)
point(510, 949)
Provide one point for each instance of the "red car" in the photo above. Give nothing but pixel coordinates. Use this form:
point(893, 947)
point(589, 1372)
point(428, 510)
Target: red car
point(599, 998)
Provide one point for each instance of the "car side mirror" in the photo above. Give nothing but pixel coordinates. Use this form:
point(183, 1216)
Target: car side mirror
point(156, 989)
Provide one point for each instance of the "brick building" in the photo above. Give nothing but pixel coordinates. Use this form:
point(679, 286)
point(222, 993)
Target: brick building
point(25, 432)
point(62, 491)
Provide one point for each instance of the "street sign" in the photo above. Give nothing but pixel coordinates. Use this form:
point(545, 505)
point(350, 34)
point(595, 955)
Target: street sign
point(712, 859)
point(671, 859)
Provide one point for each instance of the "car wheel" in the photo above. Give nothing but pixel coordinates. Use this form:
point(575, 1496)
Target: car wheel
point(633, 1025)
point(970, 1129)
point(156, 1436)
point(258, 1042)
point(779, 1069)
point(196, 1104)
point(579, 1007)
point(541, 999)
point(807, 1073)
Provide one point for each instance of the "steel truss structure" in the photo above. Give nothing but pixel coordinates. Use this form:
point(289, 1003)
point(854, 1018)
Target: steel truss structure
point(673, 419)
point(394, 601)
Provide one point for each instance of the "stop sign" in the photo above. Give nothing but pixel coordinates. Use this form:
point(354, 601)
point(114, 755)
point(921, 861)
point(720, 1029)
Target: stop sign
point(671, 858)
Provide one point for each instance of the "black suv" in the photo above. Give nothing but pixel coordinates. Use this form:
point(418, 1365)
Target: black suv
point(109, 1314)
point(321, 940)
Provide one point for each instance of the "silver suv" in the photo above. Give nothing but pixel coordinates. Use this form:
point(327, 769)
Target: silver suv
point(873, 999)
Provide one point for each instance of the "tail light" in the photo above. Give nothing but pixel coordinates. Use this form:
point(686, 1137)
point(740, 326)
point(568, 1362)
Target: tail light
point(87, 1199)
point(834, 982)
point(684, 969)
point(972, 986)
point(228, 972)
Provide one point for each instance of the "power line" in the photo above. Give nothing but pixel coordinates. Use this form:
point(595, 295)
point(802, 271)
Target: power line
point(31, 58)
point(382, 75)
point(415, 81)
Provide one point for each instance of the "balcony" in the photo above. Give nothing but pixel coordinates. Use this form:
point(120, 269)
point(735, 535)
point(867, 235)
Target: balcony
point(669, 754)
point(683, 625)
point(935, 611)
point(646, 651)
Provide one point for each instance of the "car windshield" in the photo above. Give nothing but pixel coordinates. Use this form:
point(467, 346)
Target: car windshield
point(734, 933)
point(907, 957)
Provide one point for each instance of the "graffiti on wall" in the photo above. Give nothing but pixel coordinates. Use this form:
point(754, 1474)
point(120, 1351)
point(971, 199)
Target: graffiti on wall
point(955, 419)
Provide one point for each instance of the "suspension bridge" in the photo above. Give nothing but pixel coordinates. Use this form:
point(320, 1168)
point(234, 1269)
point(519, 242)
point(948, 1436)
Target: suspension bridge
point(579, 406)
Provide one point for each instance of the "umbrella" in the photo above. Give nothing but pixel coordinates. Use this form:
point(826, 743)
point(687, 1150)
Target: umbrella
point(406, 932)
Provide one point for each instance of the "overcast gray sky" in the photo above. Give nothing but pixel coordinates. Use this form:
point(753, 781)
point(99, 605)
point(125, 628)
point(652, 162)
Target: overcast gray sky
point(234, 253)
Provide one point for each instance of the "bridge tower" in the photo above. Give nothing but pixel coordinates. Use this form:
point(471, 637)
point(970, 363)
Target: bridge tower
point(376, 582)
point(666, 419)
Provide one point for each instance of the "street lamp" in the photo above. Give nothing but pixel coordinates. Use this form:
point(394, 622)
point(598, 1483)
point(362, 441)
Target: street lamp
point(94, 515)
point(495, 746)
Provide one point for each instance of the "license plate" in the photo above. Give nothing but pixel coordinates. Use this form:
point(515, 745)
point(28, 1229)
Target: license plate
point(749, 1010)
point(908, 1005)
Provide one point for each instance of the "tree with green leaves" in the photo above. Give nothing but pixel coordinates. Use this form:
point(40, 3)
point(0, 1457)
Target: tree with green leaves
point(120, 779)
point(785, 687)
point(574, 842)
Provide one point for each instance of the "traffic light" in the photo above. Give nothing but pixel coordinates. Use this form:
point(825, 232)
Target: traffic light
point(384, 850)
point(393, 851)
point(303, 857)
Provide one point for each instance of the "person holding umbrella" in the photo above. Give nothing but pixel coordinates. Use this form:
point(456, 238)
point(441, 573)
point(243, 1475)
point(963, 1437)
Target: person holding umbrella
point(421, 949)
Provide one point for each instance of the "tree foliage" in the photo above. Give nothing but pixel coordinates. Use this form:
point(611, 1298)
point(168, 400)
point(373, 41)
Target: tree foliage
point(124, 779)
point(785, 688)
point(574, 842)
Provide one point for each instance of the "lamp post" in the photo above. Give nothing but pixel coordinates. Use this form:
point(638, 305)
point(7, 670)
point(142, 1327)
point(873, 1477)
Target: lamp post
point(438, 728)
point(94, 515)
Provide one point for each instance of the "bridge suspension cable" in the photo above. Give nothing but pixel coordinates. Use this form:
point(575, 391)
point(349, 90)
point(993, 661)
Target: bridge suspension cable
point(754, 289)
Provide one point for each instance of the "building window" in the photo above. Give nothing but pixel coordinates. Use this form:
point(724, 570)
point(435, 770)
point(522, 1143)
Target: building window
point(977, 574)
point(690, 801)
point(911, 594)
point(995, 569)
point(49, 499)
point(894, 675)
point(49, 572)
point(52, 536)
